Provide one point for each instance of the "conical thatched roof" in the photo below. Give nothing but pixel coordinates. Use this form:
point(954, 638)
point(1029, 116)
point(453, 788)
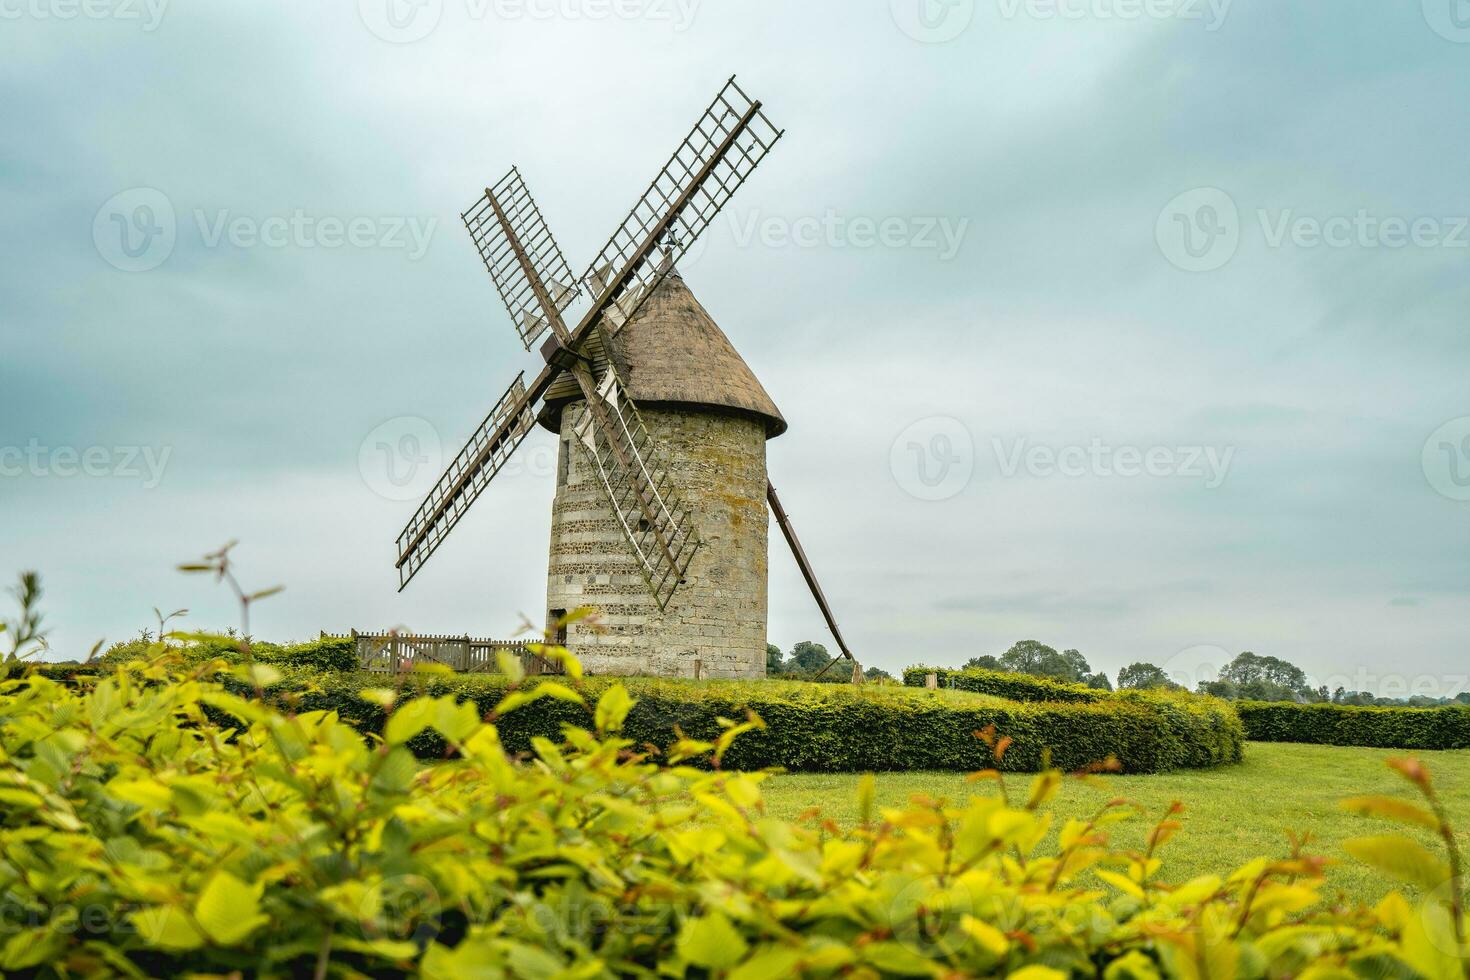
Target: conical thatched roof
point(673, 354)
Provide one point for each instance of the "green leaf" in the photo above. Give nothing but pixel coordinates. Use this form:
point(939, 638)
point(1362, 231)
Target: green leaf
point(472, 958)
point(167, 927)
point(1401, 858)
point(397, 771)
point(517, 699)
point(1391, 808)
point(771, 961)
point(900, 959)
point(456, 722)
point(712, 942)
point(1430, 945)
point(510, 665)
point(1043, 787)
point(381, 696)
point(31, 947)
point(532, 962)
point(257, 675)
point(559, 691)
point(1121, 882)
point(228, 910)
point(612, 709)
point(866, 791)
point(408, 720)
point(146, 793)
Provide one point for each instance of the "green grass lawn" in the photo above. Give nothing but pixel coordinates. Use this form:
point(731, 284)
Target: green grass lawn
point(1232, 814)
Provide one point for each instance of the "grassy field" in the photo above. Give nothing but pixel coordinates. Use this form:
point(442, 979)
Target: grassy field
point(1232, 814)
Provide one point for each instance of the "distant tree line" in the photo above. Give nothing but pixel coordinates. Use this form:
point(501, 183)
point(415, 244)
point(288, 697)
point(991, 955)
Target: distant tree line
point(807, 659)
point(1249, 677)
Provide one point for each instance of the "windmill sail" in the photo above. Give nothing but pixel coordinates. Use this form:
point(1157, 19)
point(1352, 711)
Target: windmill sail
point(517, 290)
point(649, 510)
point(465, 478)
point(724, 147)
point(533, 278)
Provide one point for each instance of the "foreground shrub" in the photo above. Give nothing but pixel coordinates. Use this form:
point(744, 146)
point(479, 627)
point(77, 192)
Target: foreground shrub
point(140, 837)
point(1339, 724)
point(841, 728)
point(1012, 687)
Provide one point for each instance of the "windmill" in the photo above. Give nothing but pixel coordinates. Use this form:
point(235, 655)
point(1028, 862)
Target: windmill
point(625, 534)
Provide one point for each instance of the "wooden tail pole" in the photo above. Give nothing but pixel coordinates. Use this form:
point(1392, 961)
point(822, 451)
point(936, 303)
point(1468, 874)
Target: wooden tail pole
point(807, 573)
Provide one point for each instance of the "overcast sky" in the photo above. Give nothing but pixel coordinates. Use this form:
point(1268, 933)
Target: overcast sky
point(1139, 328)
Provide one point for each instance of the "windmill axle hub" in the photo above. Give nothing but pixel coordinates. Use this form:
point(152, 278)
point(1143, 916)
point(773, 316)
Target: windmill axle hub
point(560, 356)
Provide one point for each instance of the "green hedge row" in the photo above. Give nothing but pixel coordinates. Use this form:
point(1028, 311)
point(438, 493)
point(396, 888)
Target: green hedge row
point(326, 655)
point(1341, 724)
point(836, 728)
point(1264, 721)
point(1012, 687)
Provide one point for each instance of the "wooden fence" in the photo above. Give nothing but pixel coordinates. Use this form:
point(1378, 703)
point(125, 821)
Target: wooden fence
point(390, 652)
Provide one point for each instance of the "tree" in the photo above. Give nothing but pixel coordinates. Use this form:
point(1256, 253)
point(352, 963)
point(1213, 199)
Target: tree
point(984, 661)
point(1258, 678)
point(1243, 669)
point(1030, 657)
point(1219, 689)
point(1143, 675)
point(1099, 682)
point(877, 673)
point(1077, 665)
point(1250, 677)
point(1039, 660)
point(808, 658)
point(775, 659)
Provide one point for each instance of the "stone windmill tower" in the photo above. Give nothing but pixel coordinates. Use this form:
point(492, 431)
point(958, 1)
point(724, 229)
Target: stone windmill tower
point(711, 417)
point(660, 512)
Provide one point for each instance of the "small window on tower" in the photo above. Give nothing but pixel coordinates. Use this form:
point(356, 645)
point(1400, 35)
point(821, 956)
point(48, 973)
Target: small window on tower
point(563, 462)
point(556, 624)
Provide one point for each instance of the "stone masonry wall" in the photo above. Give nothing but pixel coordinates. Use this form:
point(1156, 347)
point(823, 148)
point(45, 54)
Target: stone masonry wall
point(715, 624)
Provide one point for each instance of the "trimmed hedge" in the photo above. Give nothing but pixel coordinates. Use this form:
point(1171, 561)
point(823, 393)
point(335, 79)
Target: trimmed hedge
point(330, 654)
point(1264, 721)
point(833, 728)
point(1341, 724)
point(1012, 687)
